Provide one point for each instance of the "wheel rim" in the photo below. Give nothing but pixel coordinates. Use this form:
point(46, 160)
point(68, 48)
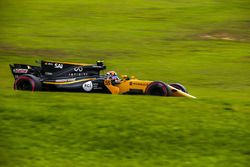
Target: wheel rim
point(24, 83)
point(157, 89)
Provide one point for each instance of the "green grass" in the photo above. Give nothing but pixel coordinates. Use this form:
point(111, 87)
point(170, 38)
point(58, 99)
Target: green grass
point(203, 45)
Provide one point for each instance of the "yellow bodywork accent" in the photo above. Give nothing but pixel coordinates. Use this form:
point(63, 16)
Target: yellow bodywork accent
point(126, 85)
point(113, 89)
point(70, 82)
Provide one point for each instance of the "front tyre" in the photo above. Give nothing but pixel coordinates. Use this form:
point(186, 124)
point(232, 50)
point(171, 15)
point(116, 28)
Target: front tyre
point(179, 87)
point(27, 82)
point(158, 89)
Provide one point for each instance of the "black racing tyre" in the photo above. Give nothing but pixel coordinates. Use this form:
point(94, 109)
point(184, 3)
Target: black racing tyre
point(158, 88)
point(179, 87)
point(27, 82)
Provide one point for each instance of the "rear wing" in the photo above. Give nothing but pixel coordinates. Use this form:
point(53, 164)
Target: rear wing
point(20, 69)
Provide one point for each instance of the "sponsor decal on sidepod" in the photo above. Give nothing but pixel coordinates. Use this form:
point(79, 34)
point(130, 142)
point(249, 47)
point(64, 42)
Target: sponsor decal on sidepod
point(87, 86)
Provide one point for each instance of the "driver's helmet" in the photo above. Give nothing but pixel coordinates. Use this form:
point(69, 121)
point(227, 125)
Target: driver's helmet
point(112, 75)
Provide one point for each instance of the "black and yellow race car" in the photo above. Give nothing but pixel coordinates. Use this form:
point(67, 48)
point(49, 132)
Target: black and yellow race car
point(77, 77)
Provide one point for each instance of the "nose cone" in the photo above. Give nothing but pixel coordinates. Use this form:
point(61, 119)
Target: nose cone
point(177, 92)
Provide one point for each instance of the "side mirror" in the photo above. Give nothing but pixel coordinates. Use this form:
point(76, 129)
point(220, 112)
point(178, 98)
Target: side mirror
point(125, 77)
point(133, 77)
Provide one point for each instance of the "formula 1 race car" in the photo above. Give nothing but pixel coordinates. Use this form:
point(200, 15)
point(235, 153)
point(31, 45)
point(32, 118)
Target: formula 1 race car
point(76, 77)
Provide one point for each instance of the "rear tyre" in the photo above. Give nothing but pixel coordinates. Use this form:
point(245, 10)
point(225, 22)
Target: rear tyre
point(179, 87)
point(27, 82)
point(158, 89)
